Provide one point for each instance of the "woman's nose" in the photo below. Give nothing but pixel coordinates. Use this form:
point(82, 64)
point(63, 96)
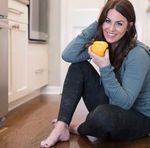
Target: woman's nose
point(112, 27)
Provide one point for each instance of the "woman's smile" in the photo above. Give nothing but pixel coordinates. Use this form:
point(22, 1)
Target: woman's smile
point(114, 27)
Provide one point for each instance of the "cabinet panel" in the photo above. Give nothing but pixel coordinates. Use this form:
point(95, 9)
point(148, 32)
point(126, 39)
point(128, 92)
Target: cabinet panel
point(18, 83)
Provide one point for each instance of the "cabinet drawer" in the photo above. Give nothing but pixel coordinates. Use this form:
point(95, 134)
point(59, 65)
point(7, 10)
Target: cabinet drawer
point(40, 77)
point(39, 74)
point(17, 12)
point(38, 66)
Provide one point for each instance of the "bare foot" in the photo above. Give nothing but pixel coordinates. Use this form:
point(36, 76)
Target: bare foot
point(59, 133)
point(73, 129)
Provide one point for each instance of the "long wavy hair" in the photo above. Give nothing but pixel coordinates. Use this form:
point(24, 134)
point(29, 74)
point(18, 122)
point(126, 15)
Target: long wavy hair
point(128, 41)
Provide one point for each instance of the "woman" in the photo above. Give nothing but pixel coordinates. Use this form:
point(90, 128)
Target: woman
point(118, 100)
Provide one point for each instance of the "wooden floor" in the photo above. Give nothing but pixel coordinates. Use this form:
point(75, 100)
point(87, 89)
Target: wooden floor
point(29, 124)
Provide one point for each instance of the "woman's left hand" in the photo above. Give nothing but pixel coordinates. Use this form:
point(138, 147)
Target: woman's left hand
point(100, 61)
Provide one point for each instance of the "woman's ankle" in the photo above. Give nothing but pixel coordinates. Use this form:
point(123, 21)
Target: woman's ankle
point(74, 129)
point(62, 124)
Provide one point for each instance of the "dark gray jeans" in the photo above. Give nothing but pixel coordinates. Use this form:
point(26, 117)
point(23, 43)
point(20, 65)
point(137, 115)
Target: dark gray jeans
point(104, 120)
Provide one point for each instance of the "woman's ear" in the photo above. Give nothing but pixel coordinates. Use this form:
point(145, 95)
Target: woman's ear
point(129, 26)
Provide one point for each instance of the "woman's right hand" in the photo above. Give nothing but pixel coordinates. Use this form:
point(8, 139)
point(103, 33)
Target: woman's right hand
point(100, 61)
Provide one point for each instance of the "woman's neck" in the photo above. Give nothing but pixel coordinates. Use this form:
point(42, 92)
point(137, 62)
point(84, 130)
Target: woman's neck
point(114, 45)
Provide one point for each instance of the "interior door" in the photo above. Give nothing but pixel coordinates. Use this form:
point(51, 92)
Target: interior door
point(75, 16)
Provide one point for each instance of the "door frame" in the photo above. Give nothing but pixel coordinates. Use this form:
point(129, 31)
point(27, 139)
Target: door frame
point(63, 32)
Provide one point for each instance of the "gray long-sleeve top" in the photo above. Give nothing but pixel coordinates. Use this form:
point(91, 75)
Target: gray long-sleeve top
point(131, 87)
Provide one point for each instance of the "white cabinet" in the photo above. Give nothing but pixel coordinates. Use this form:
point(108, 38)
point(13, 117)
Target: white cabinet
point(18, 56)
point(28, 63)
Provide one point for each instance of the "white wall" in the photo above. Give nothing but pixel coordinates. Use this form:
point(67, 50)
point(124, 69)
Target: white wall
point(143, 20)
point(54, 43)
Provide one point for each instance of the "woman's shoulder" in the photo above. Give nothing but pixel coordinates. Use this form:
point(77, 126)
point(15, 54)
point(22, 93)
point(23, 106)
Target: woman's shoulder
point(140, 49)
point(140, 53)
point(140, 46)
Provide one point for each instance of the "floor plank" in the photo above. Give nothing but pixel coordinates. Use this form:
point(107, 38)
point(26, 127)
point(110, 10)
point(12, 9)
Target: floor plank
point(30, 123)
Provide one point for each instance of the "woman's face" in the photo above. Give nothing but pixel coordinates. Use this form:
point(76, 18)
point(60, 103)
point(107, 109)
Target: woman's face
point(114, 26)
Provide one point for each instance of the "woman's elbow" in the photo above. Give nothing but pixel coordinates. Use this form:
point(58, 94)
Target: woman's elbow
point(127, 105)
point(65, 57)
point(68, 58)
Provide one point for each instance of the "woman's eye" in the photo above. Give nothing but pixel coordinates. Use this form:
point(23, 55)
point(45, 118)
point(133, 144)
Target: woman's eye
point(107, 21)
point(119, 24)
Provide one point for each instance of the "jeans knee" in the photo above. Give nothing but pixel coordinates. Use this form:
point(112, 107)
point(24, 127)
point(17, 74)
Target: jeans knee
point(103, 116)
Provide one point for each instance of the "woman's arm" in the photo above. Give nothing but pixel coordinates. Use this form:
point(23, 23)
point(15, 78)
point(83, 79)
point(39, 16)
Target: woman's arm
point(125, 93)
point(75, 51)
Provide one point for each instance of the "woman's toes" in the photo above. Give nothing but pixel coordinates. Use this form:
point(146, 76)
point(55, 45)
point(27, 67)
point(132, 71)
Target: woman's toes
point(59, 133)
point(43, 144)
point(46, 144)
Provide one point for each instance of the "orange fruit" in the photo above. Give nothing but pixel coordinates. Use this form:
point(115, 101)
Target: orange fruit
point(99, 48)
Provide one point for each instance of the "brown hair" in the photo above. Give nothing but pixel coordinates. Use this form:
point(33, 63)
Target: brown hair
point(127, 42)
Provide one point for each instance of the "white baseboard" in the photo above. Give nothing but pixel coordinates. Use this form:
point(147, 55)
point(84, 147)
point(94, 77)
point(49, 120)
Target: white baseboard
point(23, 100)
point(45, 90)
point(51, 90)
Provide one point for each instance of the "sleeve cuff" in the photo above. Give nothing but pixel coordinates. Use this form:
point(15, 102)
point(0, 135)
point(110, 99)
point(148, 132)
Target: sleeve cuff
point(107, 69)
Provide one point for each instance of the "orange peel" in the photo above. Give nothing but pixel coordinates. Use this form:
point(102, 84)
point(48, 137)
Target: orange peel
point(99, 48)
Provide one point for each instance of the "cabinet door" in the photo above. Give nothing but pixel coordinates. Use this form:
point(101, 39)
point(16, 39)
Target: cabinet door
point(18, 80)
